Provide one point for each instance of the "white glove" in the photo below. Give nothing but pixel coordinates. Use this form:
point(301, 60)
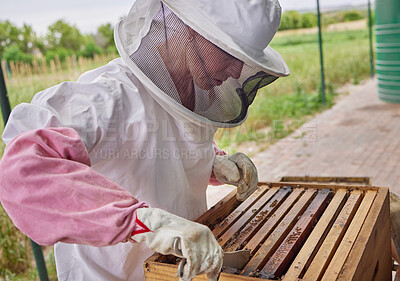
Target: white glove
point(237, 170)
point(174, 235)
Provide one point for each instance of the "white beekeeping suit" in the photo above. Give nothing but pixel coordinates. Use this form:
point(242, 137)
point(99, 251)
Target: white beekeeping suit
point(111, 166)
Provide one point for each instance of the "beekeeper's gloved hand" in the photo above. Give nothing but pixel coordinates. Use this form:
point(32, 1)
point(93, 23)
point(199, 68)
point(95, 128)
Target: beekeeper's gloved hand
point(170, 234)
point(237, 170)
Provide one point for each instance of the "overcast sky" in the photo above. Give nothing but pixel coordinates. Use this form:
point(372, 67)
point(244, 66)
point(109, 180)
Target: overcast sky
point(87, 15)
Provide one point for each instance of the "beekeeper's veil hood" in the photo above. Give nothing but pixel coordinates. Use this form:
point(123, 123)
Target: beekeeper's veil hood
point(204, 59)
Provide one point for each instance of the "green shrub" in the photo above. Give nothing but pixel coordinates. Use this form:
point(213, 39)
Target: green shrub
point(327, 19)
point(290, 20)
point(353, 15)
point(14, 53)
point(91, 48)
point(61, 53)
point(337, 16)
point(309, 20)
point(112, 50)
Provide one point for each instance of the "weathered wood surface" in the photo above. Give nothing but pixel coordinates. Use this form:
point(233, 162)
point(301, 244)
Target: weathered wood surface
point(279, 261)
point(332, 241)
point(239, 238)
point(246, 217)
point(241, 209)
point(257, 240)
point(220, 210)
point(350, 237)
point(165, 272)
point(156, 271)
point(334, 188)
point(365, 181)
point(370, 258)
point(317, 236)
point(276, 237)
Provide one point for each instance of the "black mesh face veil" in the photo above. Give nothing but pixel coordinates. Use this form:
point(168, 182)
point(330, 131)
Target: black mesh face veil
point(195, 73)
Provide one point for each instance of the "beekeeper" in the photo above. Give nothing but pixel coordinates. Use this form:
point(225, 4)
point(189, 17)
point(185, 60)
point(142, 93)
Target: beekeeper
point(114, 166)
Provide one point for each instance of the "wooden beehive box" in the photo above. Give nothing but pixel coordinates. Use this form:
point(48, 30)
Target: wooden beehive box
point(299, 231)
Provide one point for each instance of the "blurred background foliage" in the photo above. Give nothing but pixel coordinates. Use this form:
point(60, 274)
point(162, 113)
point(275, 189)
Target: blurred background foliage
point(64, 39)
point(22, 44)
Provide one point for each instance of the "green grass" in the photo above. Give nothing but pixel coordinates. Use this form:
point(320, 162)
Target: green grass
point(15, 256)
point(282, 106)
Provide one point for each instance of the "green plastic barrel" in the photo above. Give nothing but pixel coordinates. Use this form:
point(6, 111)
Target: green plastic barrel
point(387, 32)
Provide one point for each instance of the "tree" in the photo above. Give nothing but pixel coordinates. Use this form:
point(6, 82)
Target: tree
point(11, 35)
point(286, 23)
point(17, 44)
point(353, 15)
point(14, 53)
point(290, 20)
point(309, 20)
point(27, 39)
point(91, 48)
point(63, 35)
point(296, 18)
point(60, 52)
point(106, 33)
point(8, 35)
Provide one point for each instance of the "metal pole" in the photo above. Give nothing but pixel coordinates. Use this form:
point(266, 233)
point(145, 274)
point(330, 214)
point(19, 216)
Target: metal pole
point(321, 55)
point(6, 110)
point(4, 102)
point(40, 263)
point(371, 51)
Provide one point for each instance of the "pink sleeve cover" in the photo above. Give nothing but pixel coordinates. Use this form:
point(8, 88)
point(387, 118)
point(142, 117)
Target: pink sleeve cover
point(50, 192)
point(218, 151)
